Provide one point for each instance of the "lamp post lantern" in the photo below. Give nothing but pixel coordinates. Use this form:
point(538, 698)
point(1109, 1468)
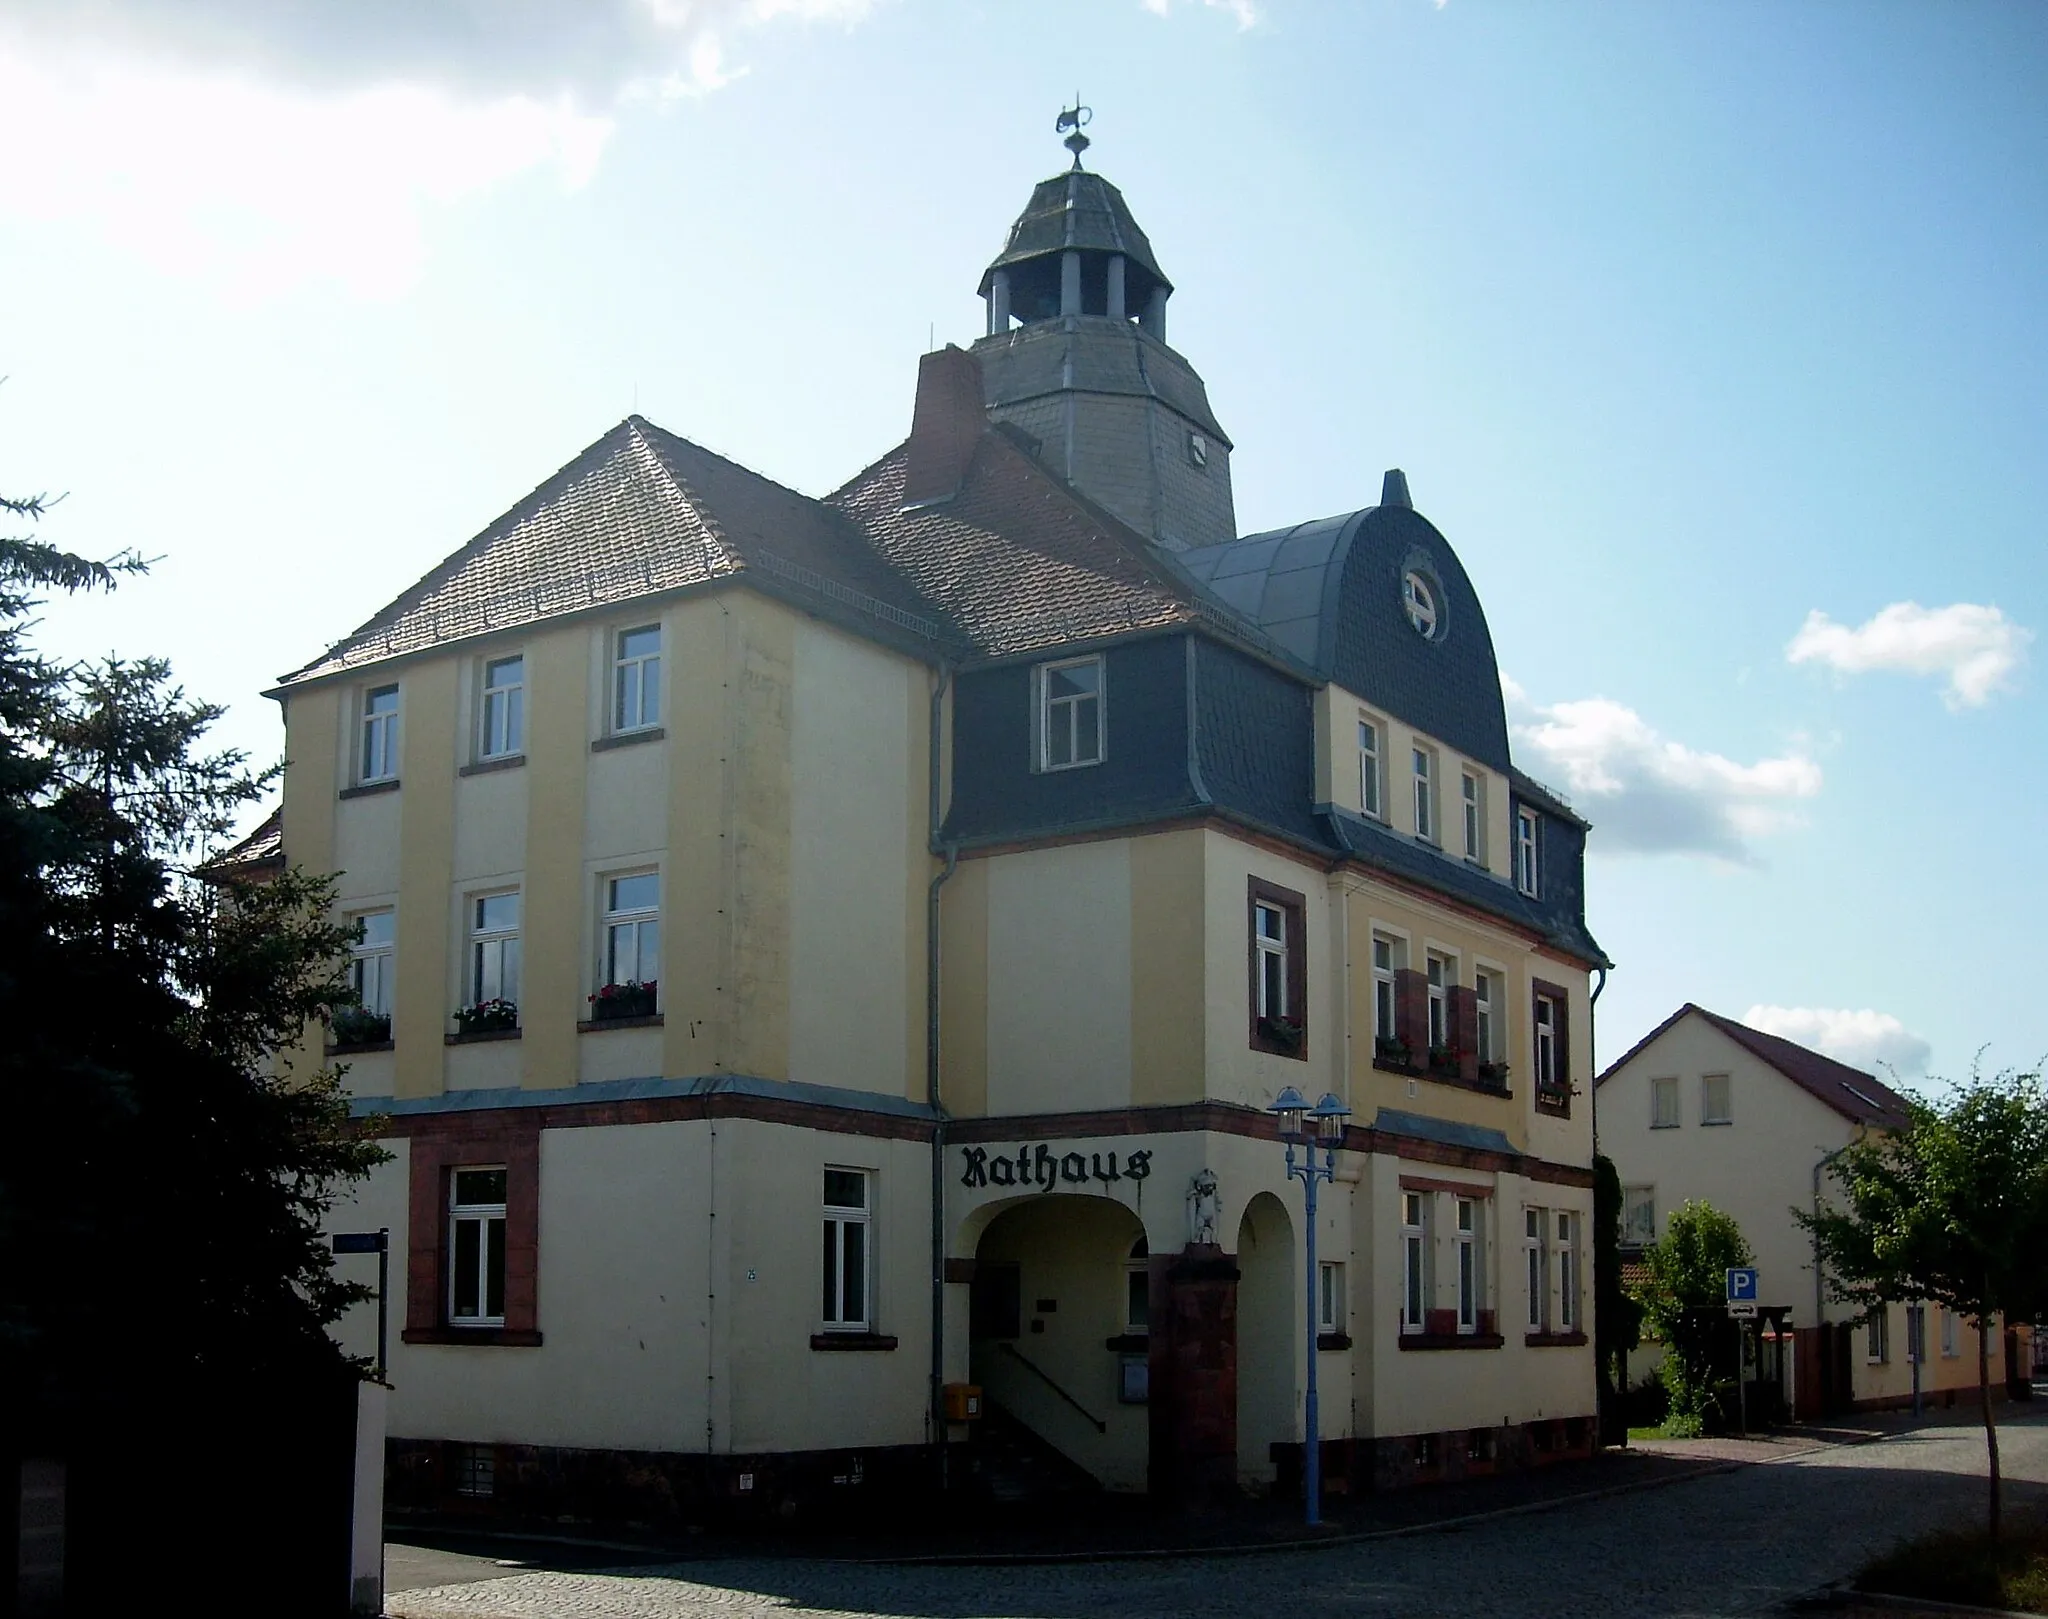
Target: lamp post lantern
point(1307, 1127)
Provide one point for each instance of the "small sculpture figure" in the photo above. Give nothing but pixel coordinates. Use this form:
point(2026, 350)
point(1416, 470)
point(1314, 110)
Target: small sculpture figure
point(1205, 1209)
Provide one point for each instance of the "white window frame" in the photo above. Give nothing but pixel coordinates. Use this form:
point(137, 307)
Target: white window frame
point(1442, 971)
point(1423, 763)
point(1661, 1117)
point(1470, 1237)
point(1138, 1285)
point(1371, 783)
point(1487, 1007)
point(1329, 1295)
point(1569, 1302)
point(1056, 713)
point(369, 967)
point(1418, 599)
point(1472, 791)
point(839, 1314)
point(637, 674)
point(1877, 1342)
point(1726, 1112)
point(493, 960)
point(501, 709)
point(1638, 1233)
point(1415, 1259)
point(1543, 1040)
point(1525, 851)
point(1536, 1267)
point(1949, 1346)
point(632, 921)
point(1386, 1001)
point(1270, 949)
point(377, 736)
point(489, 1220)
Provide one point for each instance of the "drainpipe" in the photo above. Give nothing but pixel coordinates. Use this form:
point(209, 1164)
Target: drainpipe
point(951, 852)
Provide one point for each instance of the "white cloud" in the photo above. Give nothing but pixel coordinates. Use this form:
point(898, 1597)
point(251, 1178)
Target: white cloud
point(257, 145)
point(1976, 647)
point(1244, 11)
point(1863, 1039)
point(1647, 794)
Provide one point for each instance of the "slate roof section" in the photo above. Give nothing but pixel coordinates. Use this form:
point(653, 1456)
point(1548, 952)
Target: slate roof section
point(640, 511)
point(1078, 209)
point(1860, 1097)
point(1373, 843)
point(1017, 561)
point(1285, 581)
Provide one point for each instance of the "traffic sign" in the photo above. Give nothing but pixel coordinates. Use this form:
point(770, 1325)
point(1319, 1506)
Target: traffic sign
point(1742, 1311)
point(1742, 1286)
point(361, 1242)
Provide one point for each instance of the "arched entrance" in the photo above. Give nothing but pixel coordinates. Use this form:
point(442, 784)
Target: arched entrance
point(1266, 1317)
point(1056, 1321)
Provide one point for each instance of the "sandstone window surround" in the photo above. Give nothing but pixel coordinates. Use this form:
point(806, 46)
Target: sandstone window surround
point(441, 1305)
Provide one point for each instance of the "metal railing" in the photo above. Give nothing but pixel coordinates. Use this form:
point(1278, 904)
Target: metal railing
point(1044, 1377)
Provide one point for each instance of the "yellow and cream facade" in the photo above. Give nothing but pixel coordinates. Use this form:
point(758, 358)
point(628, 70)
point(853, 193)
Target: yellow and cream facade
point(826, 964)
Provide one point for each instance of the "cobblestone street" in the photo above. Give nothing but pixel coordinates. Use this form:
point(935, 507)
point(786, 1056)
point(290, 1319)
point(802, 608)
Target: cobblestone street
point(1730, 1543)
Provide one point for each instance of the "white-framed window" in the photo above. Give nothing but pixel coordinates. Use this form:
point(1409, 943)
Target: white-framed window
point(1471, 1237)
point(1472, 790)
point(1425, 795)
point(1536, 1268)
point(636, 678)
point(1420, 602)
point(494, 947)
point(1878, 1335)
point(369, 968)
point(1486, 1007)
point(1069, 713)
point(1370, 800)
point(1717, 1101)
point(848, 1261)
point(1525, 851)
point(476, 1247)
point(1664, 1102)
point(1138, 1289)
point(377, 756)
point(632, 928)
point(1443, 978)
point(1384, 1013)
point(1269, 944)
point(1638, 1216)
point(1549, 1077)
point(1329, 1296)
point(1567, 1272)
point(501, 716)
point(1948, 1333)
point(1415, 1278)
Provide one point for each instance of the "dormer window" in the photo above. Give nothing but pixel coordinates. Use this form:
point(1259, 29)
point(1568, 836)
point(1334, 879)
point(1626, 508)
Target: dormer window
point(1419, 601)
point(1069, 713)
point(1525, 851)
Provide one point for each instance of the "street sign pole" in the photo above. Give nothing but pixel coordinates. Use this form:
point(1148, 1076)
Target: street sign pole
point(376, 1242)
point(1742, 1301)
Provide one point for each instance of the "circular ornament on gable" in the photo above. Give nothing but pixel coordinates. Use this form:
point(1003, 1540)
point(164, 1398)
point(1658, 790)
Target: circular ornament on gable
point(1420, 599)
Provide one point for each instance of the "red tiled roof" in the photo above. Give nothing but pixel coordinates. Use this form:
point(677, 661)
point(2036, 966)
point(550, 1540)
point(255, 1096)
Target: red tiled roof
point(262, 850)
point(1860, 1097)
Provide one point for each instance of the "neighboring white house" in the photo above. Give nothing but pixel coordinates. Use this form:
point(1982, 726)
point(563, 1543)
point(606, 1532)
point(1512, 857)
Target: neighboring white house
point(1706, 1108)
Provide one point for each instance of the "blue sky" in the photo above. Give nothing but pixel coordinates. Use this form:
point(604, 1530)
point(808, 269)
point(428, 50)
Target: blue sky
point(1687, 322)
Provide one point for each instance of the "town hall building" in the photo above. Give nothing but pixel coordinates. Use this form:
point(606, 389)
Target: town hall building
point(826, 964)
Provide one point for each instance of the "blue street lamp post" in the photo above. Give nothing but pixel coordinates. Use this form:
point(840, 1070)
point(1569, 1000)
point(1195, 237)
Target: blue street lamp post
point(1305, 1126)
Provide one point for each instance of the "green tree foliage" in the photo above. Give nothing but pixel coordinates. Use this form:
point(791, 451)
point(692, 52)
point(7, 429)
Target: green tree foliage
point(1617, 1318)
point(163, 1170)
point(1952, 1207)
point(1684, 1303)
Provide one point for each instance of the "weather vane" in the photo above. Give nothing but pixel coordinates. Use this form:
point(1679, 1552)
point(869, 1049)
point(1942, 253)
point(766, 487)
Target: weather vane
point(1071, 122)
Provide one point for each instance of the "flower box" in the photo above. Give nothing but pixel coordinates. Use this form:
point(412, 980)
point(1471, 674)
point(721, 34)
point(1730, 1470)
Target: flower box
point(487, 1017)
point(1392, 1051)
point(630, 999)
point(1282, 1031)
point(1494, 1073)
point(1445, 1059)
point(357, 1026)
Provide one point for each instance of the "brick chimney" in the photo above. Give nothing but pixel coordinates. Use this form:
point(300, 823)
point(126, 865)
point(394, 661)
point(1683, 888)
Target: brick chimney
point(945, 427)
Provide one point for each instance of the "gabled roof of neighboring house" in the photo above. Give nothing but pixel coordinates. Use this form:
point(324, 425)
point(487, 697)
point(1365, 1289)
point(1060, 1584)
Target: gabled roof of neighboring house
point(1859, 1097)
point(639, 511)
point(257, 855)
